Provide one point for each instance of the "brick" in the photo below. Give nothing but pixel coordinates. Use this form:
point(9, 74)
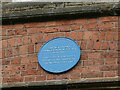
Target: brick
point(102, 36)
point(51, 36)
point(5, 74)
point(92, 20)
point(16, 51)
point(48, 37)
point(110, 61)
point(113, 45)
point(87, 35)
point(2, 54)
point(11, 42)
point(49, 77)
point(90, 44)
point(75, 27)
point(105, 26)
point(33, 58)
point(23, 67)
point(63, 28)
point(104, 45)
point(73, 35)
point(35, 24)
point(5, 27)
point(4, 44)
point(28, 72)
point(10, 32)
point(32, 30)
point(35, 38)
point(88, 63)
point(109, 67)
point(38, 46)
point(79, 35)
point(95, 35)
point(79, 21)
point(91, 74)
point(9, 52)
point(19, 41)
point(108, 19)
point(110, 74)
point(83, 45)
point(18, 26)
point(109, 55)
point(90, 26)
point(41, 78)
point(29, 78)
point(16, 60)
point(23, 49)
point(31, 49)
point(109, 36)
point(116, 36)
point(95, 55)
point(97, 45)
point(20, 32)
point(84, 56)
point(25, 40)
point(50, 29)
point(32, 66)
point(75, 76)
point(12, 80)
point(11, 67)
point(24, 60)
point(5, 62)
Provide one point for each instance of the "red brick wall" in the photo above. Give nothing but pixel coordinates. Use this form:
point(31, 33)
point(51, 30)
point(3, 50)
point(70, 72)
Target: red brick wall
point(97, 37)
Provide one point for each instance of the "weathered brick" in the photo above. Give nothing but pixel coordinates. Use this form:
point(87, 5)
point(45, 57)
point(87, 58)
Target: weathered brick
point(105, 25)
point(95, 55)
point(108, 19)
point(97, 45)
point(28, 72)
point(9, 52)
point(11, 42)
point(83, 45)
point(5, 62)
point(87, 35)
point(31, 49)
point(4, 44)
point(104, 45)
point(79, 35)
point(113, 45)
point(90, 44)
point(41, 78)
point(19, 41)
point(25, 40)
point(111, 61)
point(16, 51)
point(16, 60)
point(10, 32)
point(23, 49)
point(110, 73)
point(75, 76)
point(90, 26)
point(20, 32)
point(109, 36)
point(29, 78)
point(109, 67)
point(91, 74)
point(24, 60)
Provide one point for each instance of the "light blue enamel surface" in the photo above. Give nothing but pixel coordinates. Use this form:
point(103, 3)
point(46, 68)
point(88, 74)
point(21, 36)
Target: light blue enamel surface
point(59, 55)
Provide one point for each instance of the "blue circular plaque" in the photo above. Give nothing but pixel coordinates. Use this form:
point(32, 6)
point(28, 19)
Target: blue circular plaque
point(59, 55)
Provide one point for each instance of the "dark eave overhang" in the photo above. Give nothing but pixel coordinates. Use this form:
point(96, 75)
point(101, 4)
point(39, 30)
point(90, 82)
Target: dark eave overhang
point(38, 9)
